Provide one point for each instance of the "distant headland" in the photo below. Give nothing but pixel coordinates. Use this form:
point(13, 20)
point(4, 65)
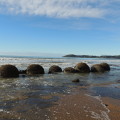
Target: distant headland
point(93, 56)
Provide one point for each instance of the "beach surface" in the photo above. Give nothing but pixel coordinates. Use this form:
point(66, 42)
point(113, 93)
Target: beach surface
point(78, 105)
point(55, 96)
point(82, 106)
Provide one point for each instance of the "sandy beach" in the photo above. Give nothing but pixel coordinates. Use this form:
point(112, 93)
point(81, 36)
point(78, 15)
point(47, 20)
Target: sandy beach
point(78, 105)
point(56, 97)
point(82, 106)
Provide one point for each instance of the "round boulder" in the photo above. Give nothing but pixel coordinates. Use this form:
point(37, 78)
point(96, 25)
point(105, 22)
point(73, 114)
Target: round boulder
point(8, 71)
point(35, 69)
point(54, 69)
point(105, 66)
point(82, 68)
point(70, 70)
point(97, 68)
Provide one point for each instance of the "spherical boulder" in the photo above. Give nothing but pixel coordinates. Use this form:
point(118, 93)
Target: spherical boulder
point(97, 68)
point(70, 70)
point(82, 68)
point(8, 71)
point(105, 66)
point(35, 69)
point(54, 69)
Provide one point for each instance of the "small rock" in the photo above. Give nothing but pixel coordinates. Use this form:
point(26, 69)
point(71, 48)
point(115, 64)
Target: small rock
point(106, 105)
point(22, 71)
point(70, 70)
point(76, 80)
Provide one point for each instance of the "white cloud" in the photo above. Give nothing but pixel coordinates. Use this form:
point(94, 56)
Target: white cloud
point(57, 8)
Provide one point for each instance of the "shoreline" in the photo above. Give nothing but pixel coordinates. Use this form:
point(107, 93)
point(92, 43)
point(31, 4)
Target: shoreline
point(79, 104)
point(56, 97)
point(93, 56)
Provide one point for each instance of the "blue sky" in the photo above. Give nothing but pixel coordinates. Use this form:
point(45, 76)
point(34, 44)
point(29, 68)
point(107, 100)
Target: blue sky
point(59, 27)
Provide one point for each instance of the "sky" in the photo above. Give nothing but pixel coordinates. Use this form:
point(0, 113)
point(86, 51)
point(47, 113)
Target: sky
point(59, 27)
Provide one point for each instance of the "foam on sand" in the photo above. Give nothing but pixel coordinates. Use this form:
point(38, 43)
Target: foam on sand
point(103, 115)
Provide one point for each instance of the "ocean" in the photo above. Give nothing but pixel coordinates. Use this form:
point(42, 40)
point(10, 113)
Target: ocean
point(18, 96)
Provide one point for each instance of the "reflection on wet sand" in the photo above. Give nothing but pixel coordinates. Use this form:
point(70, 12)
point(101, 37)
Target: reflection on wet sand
point(56, 97)
point(78, 104)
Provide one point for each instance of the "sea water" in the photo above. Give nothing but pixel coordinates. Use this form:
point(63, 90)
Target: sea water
point(60, 79)
point(28, 90)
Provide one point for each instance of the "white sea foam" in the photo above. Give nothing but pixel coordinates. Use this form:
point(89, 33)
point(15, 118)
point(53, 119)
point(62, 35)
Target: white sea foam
point(1, 110)
point(103, 115)
point(23, 62)
point(46, 62)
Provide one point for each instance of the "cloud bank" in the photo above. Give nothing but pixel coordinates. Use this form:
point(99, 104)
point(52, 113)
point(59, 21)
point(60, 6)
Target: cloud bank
point(59, 8)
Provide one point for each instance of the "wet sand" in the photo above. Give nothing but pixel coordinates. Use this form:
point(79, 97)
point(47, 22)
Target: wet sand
point(71, 107)
point(77, 105)
point(114, 106)
point(82, 106)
